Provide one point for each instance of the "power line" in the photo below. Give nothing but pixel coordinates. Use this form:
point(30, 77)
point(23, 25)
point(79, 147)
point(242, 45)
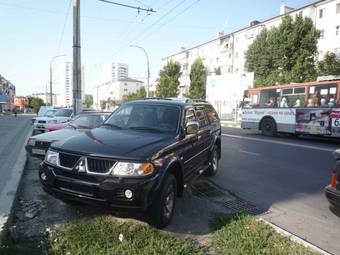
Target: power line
point(148, 28)
point(128, 6)
point(147, 6)
point(64, 25)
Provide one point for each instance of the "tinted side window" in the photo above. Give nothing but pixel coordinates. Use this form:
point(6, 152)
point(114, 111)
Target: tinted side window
point(212, 114)
point(201, 117)
point(189, 116)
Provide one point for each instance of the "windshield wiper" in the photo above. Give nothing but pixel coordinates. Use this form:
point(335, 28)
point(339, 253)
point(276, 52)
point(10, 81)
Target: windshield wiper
point(146, 128)
point(111, 125)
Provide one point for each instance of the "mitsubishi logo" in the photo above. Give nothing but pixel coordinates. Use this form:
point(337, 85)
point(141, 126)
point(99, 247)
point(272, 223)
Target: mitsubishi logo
point(80, 167)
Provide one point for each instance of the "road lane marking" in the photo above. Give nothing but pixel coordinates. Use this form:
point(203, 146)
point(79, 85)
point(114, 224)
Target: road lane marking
point(279, 142)
point(249, 152)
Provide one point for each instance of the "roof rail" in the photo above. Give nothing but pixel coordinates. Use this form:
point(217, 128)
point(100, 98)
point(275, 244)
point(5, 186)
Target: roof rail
point(199, 100)
point(156, 98)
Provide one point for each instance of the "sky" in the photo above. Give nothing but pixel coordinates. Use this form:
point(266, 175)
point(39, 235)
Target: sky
point(32, 32)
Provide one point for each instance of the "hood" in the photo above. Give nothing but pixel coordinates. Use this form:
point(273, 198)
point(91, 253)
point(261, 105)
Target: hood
point(56, 135)
point(118, 144)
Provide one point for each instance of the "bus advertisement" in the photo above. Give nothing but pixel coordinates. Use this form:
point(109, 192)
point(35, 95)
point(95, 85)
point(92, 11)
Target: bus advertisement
point(301, 108)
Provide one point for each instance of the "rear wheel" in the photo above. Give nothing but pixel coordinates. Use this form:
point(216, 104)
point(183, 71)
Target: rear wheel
point(164, 205)
point(214, 163)
point(268, 127)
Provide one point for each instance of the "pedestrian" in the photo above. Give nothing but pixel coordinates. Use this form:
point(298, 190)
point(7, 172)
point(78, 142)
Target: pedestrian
point(15, 111)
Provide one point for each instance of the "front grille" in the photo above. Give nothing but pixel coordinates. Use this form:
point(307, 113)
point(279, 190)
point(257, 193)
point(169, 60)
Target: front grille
point(42, 145)
point(68, 160)
point(42, 121)
point(99, 165)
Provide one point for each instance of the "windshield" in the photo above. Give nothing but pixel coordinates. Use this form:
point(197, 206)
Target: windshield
point(50, 113)
point(153, 118)
point(88, 121)
point(64, 113)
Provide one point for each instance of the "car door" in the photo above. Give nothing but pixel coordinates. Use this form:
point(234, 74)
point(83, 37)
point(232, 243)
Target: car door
point(187, 152)
point(202, 144)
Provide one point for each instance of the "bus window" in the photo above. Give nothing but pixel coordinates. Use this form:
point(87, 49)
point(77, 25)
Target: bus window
point(295, 97)
point(324, 95)
point(269, 98)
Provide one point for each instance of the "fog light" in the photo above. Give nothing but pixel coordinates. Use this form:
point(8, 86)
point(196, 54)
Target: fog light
point(43, 176)
point(128, 193)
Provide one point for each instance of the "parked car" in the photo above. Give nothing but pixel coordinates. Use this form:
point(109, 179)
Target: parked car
point(139, 159)
point(51, 117)
point(55, 127)
point(38, 145)
point(42, 112)
point(332, 191)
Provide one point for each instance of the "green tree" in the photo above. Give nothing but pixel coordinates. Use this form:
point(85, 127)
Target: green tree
point(169, 80)
point(218, 71)
point(284, 54)
point(330, 65)
point(88, 100)
point(198, 79)
point(34, 103)
point(140, 94)
point(103, 104)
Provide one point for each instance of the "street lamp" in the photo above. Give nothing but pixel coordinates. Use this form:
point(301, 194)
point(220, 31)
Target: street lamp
point(148, 66)
point(51, 100)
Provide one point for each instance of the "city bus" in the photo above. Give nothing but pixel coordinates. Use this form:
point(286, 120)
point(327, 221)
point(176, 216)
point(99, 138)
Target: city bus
point(311, 108)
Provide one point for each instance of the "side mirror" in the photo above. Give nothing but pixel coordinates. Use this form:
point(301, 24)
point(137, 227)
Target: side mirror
point(191, 127)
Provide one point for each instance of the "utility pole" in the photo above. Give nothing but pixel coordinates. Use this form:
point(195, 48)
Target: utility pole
point(76, 75)
point(51, 61)
point(148, 67)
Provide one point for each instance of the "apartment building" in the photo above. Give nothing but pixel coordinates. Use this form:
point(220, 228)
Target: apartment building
point(227, 52)
point(7, 94)
point(64, 84)
point(114, 72)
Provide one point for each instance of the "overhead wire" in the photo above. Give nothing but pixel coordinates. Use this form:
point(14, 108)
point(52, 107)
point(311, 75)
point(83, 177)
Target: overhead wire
point(64, 26)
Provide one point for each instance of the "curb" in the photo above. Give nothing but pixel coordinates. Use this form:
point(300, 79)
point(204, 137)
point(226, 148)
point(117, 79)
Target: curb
point(295, 238)
point(9, 193)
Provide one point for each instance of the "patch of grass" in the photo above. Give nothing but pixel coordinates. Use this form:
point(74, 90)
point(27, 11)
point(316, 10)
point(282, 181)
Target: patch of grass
point(105, 236)
point(23, 246)
point(242, 234)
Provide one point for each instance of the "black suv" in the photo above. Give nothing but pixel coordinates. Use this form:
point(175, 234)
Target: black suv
point(140, 158)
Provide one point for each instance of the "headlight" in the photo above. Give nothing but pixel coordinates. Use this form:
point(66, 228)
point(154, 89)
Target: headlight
point(132, 169)
point(31, 141)
point(52, 157)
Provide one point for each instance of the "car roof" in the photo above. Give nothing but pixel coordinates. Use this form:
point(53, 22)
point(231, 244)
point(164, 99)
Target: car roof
point(170, 101)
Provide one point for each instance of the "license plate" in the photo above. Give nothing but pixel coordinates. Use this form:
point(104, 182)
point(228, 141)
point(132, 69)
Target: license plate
point(39, 126)
point(38, 152)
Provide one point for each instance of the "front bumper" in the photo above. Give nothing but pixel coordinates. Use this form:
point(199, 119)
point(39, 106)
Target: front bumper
point(98, 189)
point(333, 195)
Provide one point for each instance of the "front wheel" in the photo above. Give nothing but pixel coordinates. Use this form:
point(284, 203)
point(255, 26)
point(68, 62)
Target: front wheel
point(214, 163)
point(268, 127)
point(164, 205)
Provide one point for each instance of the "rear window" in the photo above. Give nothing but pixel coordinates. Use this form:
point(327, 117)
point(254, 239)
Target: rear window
point(211, 113)
point(201, 117)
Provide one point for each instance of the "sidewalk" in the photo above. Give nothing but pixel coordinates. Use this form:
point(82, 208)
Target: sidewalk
point(231, 123)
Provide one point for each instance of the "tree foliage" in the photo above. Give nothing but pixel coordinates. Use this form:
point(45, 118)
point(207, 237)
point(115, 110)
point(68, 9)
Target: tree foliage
point(169, 80)
point(140, 94)
point(198, 79)
point(284, 54)
point(330, 65)
point(34, 103)
point(88, 100)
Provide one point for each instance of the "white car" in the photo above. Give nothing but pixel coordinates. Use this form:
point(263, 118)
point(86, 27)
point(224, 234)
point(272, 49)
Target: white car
point(52, 117)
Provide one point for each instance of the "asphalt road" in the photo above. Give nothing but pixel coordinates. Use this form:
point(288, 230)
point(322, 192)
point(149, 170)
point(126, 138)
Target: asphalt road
point(13, 132)
point(286, 176)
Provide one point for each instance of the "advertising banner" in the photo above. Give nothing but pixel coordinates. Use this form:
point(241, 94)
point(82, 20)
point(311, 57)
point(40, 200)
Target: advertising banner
point(318, 121)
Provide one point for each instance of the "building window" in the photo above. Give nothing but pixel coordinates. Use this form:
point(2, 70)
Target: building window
point(322, 34)
point(337, 30)
point(338, 8)
point(321, 13)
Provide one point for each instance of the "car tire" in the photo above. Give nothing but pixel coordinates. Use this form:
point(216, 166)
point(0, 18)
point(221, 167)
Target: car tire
point(163, 206)
point(213, 163)
point(268, 127)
